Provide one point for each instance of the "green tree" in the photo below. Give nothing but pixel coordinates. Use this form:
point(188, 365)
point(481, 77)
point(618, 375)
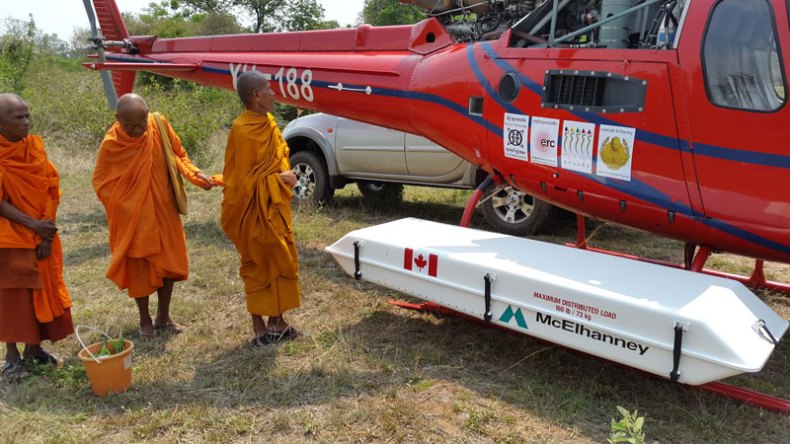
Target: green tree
point(160, 19)
point(283, 15)
point(51, 44)
point(267, 13)
point(304, 15)
point(390, 12)
point(208, 6)
point(16, 52)
point(80, 45)
point(216, 23)
point(172, 18)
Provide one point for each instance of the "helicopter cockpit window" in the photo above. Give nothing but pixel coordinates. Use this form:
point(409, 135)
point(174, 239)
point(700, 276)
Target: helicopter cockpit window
point(741, 61)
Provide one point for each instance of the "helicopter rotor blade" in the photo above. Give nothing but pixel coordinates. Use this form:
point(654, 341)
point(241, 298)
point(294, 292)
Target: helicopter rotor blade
point(109, 89)
point(91, 18)
point(106, 76)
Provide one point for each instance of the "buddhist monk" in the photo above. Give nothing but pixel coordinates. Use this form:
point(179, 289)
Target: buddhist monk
point(147, 241)
point(34, 302)
point(256, 211)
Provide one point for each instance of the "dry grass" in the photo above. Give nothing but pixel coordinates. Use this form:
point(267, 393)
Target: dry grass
point(365, 371)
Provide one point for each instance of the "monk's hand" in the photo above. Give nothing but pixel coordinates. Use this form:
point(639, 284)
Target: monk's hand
point(288, 178)
point(208, 183)
point(45, 229)
point(43, 249)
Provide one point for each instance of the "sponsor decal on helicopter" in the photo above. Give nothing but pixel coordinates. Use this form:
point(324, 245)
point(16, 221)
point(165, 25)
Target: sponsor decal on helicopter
point(544, 141)
point(577, 146)
point(615, 152)
point(516, 136)
point(590, 333)
point(420, 262)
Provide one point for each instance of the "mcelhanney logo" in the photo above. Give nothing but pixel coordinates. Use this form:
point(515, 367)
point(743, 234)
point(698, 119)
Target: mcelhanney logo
point(510, 314)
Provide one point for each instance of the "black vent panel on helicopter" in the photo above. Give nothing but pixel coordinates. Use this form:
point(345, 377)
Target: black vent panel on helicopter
point(595, 92)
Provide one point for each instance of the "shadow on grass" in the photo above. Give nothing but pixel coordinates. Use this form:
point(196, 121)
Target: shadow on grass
point(207, 232)
point(81, 219)
point(449, 213)
point(74, 257)
point(403, 351)
point(558, 384)
point(435, 211)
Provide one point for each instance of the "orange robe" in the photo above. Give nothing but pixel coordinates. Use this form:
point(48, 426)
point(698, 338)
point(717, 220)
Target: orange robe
point(147, 238)
point(30, 182)
point(256, 214)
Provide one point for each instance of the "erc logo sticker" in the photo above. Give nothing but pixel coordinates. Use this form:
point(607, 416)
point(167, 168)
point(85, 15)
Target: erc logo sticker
point(509, 314)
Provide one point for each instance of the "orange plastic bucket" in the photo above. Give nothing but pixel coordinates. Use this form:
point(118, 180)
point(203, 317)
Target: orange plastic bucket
point(108, 374)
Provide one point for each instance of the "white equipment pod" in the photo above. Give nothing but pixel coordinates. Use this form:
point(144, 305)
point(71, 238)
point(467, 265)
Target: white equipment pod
point(685, 326)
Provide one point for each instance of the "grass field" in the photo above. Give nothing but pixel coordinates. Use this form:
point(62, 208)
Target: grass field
point(365, 371)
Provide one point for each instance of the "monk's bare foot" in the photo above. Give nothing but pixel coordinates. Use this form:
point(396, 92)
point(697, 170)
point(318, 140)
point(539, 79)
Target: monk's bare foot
point(37, 355)
point(147, 331)
point(168, 326)
point(276, 324)
point(279, 330)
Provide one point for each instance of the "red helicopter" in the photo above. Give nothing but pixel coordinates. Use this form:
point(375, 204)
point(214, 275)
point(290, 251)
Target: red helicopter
point(663, 115)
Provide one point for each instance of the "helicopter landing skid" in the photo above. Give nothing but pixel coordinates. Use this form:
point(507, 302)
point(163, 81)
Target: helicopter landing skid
point(693, 262)
point(735, 393)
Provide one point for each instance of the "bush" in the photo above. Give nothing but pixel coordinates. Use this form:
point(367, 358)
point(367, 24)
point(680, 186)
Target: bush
point(67, 103)
point(66, 100)
point(196, 112)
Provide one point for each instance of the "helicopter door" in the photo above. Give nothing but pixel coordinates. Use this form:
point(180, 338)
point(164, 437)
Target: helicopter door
point(582, 129)
point(738, 112)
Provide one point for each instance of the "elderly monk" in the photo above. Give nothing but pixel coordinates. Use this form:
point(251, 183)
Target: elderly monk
point(147, 242)
point(256, 211)
point(34, 302)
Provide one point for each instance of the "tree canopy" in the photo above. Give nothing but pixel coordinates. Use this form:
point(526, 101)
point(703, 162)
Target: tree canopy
point(284, 15)
point(183, 18)
point(390, 12)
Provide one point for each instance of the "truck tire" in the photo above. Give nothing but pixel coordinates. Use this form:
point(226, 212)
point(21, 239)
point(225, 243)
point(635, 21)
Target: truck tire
point(312, 180)
point(512, 212)
point(380, 194)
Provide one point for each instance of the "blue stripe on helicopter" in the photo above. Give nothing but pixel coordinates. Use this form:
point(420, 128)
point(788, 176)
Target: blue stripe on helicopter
point(635, 188)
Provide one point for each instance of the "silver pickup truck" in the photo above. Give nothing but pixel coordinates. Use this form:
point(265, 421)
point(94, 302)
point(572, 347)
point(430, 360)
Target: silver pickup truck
point(328, 152)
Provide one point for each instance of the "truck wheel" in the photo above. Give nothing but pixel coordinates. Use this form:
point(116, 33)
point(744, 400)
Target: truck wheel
point(380, 194)
point(512, 212)
point(312, 180)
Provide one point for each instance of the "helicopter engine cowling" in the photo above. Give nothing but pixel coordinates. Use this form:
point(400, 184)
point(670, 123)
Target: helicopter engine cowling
point(474, 20)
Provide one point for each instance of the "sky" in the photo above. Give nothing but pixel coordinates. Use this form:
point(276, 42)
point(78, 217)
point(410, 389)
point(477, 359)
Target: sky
point(62, 16)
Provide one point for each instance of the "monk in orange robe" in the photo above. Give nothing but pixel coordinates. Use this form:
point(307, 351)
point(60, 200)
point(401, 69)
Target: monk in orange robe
point(147, 241)
point(34, 303)
point(256, 211)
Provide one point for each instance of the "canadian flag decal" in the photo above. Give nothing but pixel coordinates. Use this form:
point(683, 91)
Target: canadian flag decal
point(420, 262)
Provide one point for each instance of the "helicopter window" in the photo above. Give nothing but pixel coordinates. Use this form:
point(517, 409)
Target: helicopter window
point(509, 87)
point(740, 57)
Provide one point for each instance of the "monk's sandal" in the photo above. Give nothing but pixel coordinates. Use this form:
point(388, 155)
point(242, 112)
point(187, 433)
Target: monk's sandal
point(14, 370)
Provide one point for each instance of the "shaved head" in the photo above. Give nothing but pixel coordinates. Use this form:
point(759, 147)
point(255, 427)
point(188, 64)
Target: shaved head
point(130, 103)
point(132, 113)
point(255, 92)
point(14, 117)
point(248, 83)
point(9, 101)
